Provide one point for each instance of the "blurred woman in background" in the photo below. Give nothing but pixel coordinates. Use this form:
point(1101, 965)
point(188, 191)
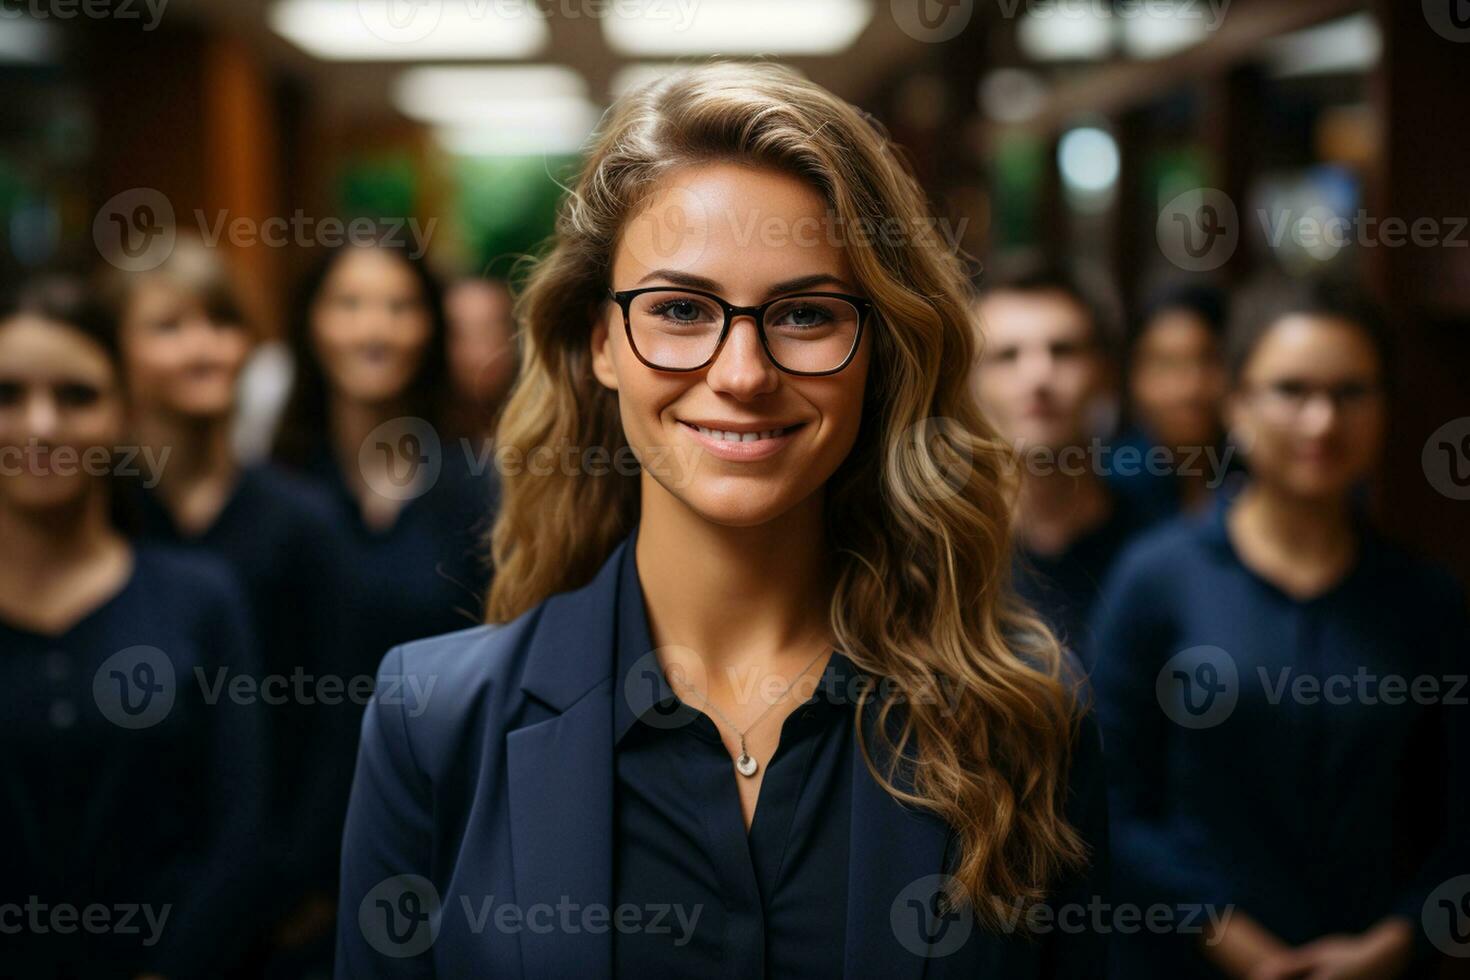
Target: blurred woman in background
point(481, 352)
point(184, 340)
point(366, 420)
point(132, 779)
point(1176, 390)
point(1253, 669)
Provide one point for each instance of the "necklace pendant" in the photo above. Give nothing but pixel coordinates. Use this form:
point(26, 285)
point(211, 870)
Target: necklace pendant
point(745, 765)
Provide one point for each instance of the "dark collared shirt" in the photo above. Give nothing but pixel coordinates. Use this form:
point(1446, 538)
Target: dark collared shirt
point(693, 894)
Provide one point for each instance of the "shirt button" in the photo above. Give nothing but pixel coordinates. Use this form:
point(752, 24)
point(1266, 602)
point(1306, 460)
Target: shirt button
point(63, 714)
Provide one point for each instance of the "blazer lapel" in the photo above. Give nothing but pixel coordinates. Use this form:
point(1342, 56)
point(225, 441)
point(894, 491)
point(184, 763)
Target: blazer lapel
point(560, 772)
point(896, 855)
point(561, 793)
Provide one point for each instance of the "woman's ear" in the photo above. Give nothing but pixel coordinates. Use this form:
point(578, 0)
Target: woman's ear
point(602, 358)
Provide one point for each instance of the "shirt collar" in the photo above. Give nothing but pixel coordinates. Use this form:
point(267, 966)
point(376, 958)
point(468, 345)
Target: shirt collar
point(642, 686)
point(1215, 530)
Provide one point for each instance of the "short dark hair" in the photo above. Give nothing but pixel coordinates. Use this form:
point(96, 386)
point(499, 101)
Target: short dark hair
point(1209, 304)
point(1040, 279)
point(65, 299)
point(1263, 305)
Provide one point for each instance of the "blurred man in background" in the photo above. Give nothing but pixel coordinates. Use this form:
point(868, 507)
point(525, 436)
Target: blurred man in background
point(1045, 378)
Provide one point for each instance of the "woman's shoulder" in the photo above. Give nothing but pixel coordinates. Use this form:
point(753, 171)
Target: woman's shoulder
point(477, 655)
point(444, 687)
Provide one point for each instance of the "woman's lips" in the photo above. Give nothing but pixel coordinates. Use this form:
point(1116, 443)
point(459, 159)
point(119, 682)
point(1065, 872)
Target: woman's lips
point(752, 445)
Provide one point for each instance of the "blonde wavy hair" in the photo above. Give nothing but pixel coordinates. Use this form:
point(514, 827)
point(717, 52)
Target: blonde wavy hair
point(918, 515)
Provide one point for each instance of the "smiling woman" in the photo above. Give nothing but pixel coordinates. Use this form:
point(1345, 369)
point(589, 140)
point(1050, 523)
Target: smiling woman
point(776, 679)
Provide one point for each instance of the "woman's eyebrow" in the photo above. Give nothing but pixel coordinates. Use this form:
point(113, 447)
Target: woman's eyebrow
point(692, 281)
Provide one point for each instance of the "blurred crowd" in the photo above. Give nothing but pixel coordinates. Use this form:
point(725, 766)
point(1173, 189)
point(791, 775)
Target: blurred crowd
point(211, 536)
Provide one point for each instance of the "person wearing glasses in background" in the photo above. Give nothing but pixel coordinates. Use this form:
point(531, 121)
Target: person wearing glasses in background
point(133, 791)
point(1253, 676)
point(757, 701)
point(1043, 376)
point(184, 340)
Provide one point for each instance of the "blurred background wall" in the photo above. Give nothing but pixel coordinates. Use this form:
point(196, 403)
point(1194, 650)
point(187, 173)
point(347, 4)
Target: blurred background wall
point(1139, 141)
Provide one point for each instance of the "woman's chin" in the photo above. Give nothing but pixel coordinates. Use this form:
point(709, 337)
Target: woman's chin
point(736, 503)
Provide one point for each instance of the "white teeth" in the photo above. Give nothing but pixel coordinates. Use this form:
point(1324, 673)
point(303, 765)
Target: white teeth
point(738, 436)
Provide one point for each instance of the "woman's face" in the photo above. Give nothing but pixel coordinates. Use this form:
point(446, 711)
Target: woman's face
point(370, 326)
point(178, 358)
point(480, 344)
point(61, 413)
point(1178, 380)
point(737, 232)
point(1309, 410)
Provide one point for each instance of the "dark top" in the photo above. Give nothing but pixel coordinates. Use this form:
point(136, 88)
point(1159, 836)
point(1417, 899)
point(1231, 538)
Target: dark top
point(1063, 587)
point(485, 789)
point(1268, 752)
point(1152, 484)
point(288, 547)
point(132, 780)
point(712, 901)
point(426, 573)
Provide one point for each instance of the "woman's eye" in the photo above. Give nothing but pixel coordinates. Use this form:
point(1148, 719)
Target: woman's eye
point(10, 393)
point(806, 316)
point(77, 395)
point(679, 309)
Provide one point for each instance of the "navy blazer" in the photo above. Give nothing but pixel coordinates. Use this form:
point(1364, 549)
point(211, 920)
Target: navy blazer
point(479, 837)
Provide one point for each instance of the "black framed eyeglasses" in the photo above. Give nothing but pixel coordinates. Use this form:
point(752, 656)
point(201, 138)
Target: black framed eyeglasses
point(808, 334)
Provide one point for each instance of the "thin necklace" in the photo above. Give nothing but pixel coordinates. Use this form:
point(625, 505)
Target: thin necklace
point(745, 763)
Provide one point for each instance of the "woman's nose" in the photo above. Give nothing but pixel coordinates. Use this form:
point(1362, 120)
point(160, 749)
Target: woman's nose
point(41, 416)
point(741, 368)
